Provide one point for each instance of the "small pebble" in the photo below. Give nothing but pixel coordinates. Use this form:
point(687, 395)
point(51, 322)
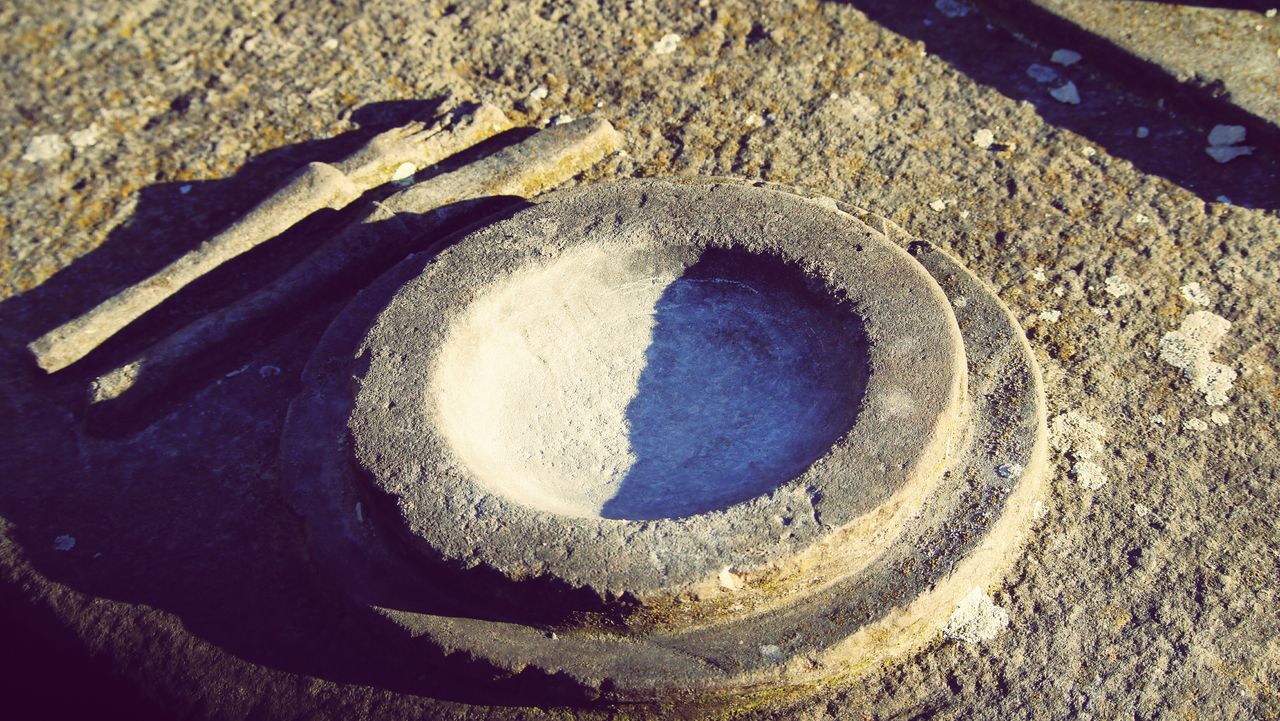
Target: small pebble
point(1063, 56)
point(562, 119)
point(1042, 73)
point(330, 44)
point(1066, 94)
point(984, 138)
point(1050, 316)
point(1226, 154)
point(1222, 135)
point(667, 44)
point(938, 205)
point(1009, 470)
point(403, 174)
point(539, 93)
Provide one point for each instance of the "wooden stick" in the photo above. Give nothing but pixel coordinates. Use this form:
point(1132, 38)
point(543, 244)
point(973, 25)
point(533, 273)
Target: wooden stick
point(314, 187)
point(406, 222)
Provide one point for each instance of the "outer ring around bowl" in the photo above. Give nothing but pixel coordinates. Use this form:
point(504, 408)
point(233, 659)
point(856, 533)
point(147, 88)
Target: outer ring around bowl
point(913, 401)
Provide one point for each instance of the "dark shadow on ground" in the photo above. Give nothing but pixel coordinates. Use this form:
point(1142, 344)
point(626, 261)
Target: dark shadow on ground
point(750, 376)
point(1118, 95)
point(184, 517)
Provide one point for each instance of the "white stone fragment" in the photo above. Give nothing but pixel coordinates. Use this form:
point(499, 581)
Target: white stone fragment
point(1041, 73)
point(1063, 56)
point(729, 580)
point(1117, 287)
point(1038, 274)
point(1009, 470)
point(403, 174)
point(952, 8)
point(65, 542)
point(1189, 349)
point(1195, 424)
point(1226, 154)
point(539, 93)
point(1066, 94)
point(1158, 420)
point(1050, 316)
point(667, 44)
point(86, 138)
point(938, 205)
point(984, 138)
point(1142, 131)
point(976, 618)
point(1194, 293)
point(44, 147)
point(330, 44)
point(1223, 135)
point(1089, 475)
point(562, 119)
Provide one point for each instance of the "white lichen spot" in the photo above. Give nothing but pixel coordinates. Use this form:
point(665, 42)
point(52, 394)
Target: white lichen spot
point(86, 138)
point(1140, 510)
point(1117, 287)
point(1063, 56)
point(976, 618)
point(754, 121)
point(938, 205)
point(539, 93)
point(960, 301)
point(1189, 349)
point(1074, 432)
point(1089, 475)
point(1194, 293)
point(44, 147)
point(984, 138)
point(1195, 424)
point(64, 542)
point(1088, 151)
point(1219, 418)
point(1066, 94)
point(1038, 274)
point(1141, 219)
point(667, 44)
point(1039, 510)
point(1050, 316)
point(1041, 73)
point(772, 654)
point(1158, 420)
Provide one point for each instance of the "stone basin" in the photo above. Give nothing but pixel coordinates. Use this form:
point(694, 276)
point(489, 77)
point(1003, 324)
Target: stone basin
point(648, 438)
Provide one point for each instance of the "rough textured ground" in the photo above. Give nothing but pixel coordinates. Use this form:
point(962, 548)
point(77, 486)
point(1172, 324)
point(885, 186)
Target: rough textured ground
point(1149, 587)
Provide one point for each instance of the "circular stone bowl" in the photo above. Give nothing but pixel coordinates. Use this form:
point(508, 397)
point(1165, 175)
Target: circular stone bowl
point(624, 394)
point(653, 441)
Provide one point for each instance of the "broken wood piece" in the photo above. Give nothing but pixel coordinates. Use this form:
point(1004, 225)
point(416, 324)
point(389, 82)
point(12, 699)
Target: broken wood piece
point(315, 187)
point(406, 222)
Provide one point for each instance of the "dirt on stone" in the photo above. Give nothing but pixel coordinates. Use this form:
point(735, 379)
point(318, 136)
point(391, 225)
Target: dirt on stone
point(161, 567)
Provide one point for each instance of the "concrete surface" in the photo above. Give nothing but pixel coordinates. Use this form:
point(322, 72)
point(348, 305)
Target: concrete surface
point(1147, 588)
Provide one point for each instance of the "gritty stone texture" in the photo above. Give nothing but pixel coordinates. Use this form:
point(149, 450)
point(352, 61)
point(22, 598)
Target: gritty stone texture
point(977, 618)
point(1153, 597)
